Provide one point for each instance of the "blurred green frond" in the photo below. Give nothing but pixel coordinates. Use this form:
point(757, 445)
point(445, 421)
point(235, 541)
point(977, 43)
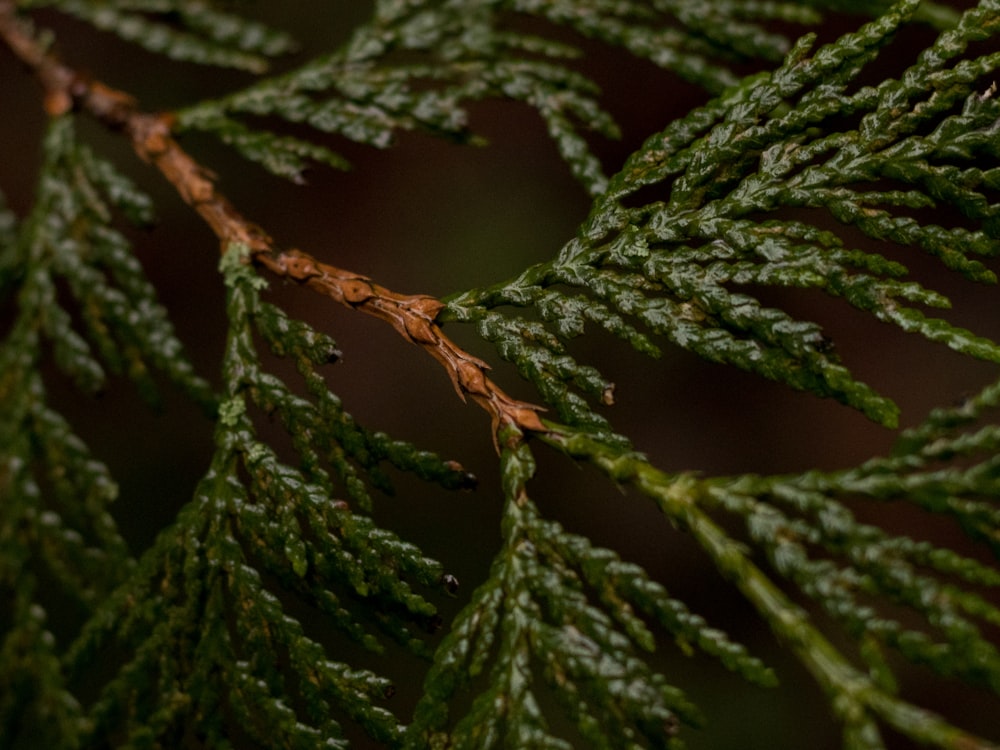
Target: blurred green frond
point(257, 526)
point(9, 270)
point(894, 595)
point(688, 234)
point(557, 607)
point(69, 240)
point(68, 243)
point(810, 534)
point(413, 69)
point(8, 225)
point(418, 65)
point(56, 531)
point(185, 30)
point(55, 528)
point(700, 41)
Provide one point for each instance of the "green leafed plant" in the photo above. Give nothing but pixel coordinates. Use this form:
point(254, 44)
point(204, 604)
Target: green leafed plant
point(276, 605)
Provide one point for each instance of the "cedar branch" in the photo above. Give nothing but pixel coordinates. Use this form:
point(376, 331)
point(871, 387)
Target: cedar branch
point(413, 316)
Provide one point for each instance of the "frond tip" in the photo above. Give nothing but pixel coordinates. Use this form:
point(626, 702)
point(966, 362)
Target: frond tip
point(70, 239)
point(577, 614)
point(682, 240)
point(418, 66)
point(184, 30)
point(862, 576)
point(257, 524)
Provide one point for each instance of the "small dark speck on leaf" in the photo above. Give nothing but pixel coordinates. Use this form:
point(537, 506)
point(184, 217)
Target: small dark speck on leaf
point(468, 480)
point(450, 584)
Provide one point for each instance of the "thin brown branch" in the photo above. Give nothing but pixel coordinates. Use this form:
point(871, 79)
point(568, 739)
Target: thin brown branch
point(411, 315)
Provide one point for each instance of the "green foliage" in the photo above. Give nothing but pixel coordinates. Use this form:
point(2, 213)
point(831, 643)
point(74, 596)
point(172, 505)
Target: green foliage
point(786, 179)
point(670, 265)
point(56, 525)
point(187, 30)
point(416, 64)
point(537, 605)
point(254, 519)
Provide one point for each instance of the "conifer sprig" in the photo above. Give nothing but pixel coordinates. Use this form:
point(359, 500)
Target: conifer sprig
point(253, 520)
point(451, 54)
point(185, 30)
point(8, 240)
point(684, 264)
point(418, 66)
point(676, 249)
point(559, 606)
point(685, 37)
point(69, 239)
point(56, 527)
point(879, 567)
point(411, 315)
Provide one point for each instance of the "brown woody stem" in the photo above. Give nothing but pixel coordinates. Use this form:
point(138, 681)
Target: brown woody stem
point(412, 315)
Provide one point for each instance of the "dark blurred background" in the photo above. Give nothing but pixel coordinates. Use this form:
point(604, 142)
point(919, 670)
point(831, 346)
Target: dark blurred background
point(433, 217)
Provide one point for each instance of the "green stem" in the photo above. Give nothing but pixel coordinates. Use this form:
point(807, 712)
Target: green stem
point(854, 696)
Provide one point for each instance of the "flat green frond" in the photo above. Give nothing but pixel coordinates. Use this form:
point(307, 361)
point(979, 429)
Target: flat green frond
point(324, 434)
point(542, 359)
point(8, 227)
point(55, 519)
point(282, 155)
point(558, 614)
point(687, 260)
point(225, 660)
point(370, 101)
point(69, 239)
point(885, 591)
point(945, 421)
point(699, 41)
point(57, 536)
point(258, 526)
point(10, 268)
point(186, 30)
point(819, 183)
point(32, 687)
point(419, 65)
point(853, 569)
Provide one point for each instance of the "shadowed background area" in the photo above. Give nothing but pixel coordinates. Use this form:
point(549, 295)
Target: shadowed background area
point(428, 216)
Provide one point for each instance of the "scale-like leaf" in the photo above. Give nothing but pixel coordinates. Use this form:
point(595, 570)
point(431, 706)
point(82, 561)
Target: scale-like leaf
point(820, 176)
point(557, 605)
point(186, 30)
point(685, 258)
point(255, 519)
point(419, 65)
